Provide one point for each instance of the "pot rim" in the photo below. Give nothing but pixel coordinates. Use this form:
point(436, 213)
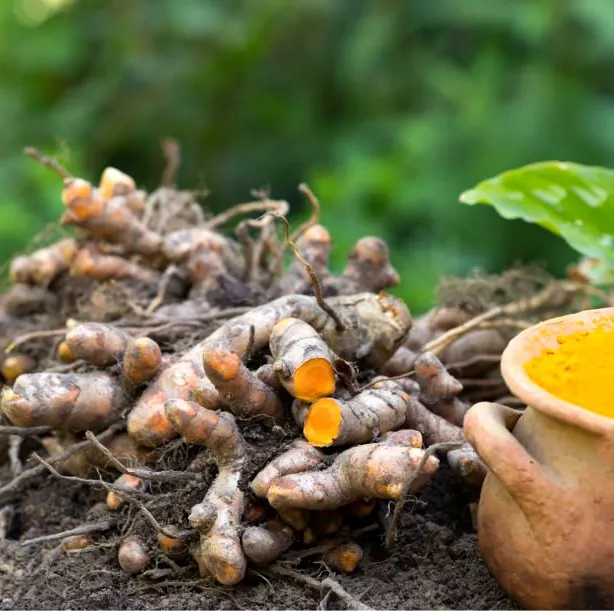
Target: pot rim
point(515, 376)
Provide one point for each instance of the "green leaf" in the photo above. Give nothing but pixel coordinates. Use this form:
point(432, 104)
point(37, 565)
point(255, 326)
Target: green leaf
point(572, 200)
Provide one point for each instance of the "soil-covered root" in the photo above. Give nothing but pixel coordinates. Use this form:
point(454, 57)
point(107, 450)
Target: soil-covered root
point(344, 557)
point(301, 456)
point(379, 409)
point(97, 343)
point(377, 470)
point(142, 360)
point(302, 359)
point(132, 555)
point(242, 391)
point(264, 544)
point(217, 518)
point(65, 401)
point(373, 327)
point(42, 266)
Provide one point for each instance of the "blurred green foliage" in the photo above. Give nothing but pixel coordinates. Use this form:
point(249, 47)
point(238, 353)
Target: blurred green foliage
point(389, 110)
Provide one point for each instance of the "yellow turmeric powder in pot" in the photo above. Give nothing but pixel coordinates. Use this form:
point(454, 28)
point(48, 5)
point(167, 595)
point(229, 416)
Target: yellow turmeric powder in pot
point(580, 369)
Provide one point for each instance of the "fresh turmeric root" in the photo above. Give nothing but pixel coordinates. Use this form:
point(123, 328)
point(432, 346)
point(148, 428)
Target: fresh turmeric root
point(90, 263)
point(332, 422)
point(301, 456)
point(70, 401)
point(127, 481)
point(108, 220)
point(15, 365)
point(373, 328)
point(374, 470)
point(345, 557)
point(44, 265)
point(240, 389)
point(303, 360)
point(99, 344)
point(369, 268)
point(218, 516)
point(132, 556)
point(142, 360)
point(264, 544)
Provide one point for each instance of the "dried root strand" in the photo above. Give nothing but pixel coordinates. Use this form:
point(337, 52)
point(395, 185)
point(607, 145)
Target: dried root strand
point(303, 360)
point(301, 456)
point(132, 555)
point(71, 401)
point(218, 516)
point(264, 544)
point(332, 422)
point(42, 266)
point(345, 557)
point(241, 389)
point(97, 343)
point(108, 220)
point(373, 470)
point(368, 268)
point(142, 360)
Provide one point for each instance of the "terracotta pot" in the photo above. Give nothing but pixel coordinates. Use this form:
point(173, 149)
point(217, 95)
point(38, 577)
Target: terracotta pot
point(546, 511)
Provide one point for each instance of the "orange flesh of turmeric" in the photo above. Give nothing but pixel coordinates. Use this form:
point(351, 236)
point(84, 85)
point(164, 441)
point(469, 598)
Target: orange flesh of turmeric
point(322, 423)
point(314, 379)
point(580, 368)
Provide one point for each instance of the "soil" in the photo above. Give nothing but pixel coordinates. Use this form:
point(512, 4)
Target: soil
point(435, 563)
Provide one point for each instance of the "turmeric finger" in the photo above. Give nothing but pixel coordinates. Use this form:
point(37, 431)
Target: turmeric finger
point(74, 542)
point(368, 268)
point(64, 354)
point(325, 523)
point(90, 263)
point(128, 482)
point(70, 401)
point(42, 266)
point(241, 390)
point(332, 422)
point(99, 344)
point(375, 327)
point(297, 518)
point(434, 380)
point(142, 360)
point(269, 376)
point(173, 547)
point(404, 437)
point(15, 365)
point(218, 516)
point(303, 360)
point(206, 394)
point(466, 463)
point(372, 470)
point(434, 428)
point(264, 544)
point(314, 246)
point(301, 456)
point(345, 557)
point(452, 409)
point(132, 556)
point(113, 182)
point(108, 220)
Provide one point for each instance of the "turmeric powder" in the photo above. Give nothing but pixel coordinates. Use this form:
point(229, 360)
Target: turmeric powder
point(580, 368)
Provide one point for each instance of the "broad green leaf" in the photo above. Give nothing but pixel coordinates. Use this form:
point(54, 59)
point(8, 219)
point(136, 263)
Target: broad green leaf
point(572, 200)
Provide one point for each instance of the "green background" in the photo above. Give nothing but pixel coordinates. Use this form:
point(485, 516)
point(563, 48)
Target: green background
point(388, 109)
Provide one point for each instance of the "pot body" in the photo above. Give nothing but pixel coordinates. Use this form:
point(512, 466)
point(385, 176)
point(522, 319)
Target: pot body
point(546, 511)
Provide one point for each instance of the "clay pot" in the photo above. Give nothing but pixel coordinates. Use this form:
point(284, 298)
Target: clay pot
point(546, 512)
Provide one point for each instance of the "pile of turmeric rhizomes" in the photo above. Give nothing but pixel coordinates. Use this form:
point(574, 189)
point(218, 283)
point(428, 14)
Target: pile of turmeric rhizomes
point(162, 344)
